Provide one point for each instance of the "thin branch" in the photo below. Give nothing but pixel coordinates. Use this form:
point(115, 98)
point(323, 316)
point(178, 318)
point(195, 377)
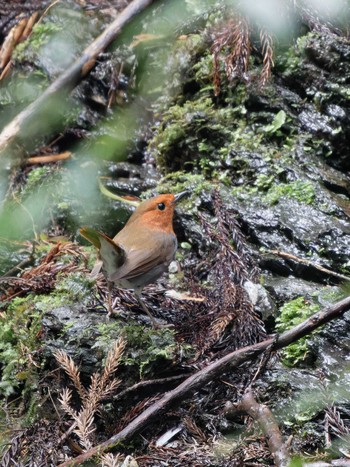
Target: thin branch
point(307, 262)
point(49, 158)
point(147, 383)
point(212, 371)
point(268, 424)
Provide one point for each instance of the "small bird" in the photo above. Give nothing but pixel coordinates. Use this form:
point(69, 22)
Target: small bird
point(142, 251)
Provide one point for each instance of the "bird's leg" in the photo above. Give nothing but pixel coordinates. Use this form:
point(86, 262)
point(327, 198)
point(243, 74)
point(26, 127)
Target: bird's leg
point(145, 309)
point(110, 304)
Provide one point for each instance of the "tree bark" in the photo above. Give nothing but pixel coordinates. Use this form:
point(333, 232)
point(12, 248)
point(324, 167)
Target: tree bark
point(268, 424)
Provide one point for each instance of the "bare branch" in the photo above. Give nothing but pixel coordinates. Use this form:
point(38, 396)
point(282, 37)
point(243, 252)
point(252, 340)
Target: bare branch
point(307, 262)
point(268, 424)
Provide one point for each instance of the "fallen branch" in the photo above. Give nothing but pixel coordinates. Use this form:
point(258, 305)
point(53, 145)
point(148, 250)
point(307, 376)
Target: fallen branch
point(210, 372)
point(73, 74)
point(268, 424)
point(307, 262)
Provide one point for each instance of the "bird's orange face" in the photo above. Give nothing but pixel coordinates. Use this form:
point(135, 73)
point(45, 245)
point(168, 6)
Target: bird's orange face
point(156, 213)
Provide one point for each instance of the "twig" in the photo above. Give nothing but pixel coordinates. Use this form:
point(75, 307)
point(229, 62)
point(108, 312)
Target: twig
point(47, 10)
point(49, 158)
point(268, 424)
point(72, 75)
point(210, 372)
point(19, 267)
point(29, 214)
point(264, 360)
point(147, 383)
point(307, 262)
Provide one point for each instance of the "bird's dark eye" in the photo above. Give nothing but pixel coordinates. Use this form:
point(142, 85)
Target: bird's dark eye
point(161, 206)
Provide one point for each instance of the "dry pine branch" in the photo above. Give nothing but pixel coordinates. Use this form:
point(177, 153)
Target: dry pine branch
point(72, 370)
point(100, 387)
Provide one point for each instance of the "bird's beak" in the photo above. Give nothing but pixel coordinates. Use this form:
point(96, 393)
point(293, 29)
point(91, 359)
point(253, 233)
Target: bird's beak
point(179, 196)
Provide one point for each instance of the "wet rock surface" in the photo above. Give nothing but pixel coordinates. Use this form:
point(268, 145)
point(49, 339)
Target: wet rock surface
point(321, 76)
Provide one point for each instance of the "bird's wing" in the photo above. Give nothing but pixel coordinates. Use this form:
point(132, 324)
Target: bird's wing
point(112, 255)
point(141, 260)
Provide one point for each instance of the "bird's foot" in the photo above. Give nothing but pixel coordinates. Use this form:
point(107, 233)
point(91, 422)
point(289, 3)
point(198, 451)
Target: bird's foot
point(112, 313)
point(156, 324)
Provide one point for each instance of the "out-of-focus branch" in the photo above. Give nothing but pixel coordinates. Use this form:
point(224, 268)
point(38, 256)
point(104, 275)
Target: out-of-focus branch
point(69, 79)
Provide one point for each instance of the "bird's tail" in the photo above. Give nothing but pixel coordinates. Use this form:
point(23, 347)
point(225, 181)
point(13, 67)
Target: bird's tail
point(112, 255)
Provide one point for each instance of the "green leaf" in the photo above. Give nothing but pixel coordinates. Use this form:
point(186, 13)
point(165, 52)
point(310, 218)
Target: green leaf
point(277, 123)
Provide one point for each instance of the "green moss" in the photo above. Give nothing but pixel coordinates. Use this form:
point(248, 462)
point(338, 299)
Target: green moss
point(291, 314)
point(41, 34)
point(194, 131)
point(148, 350)
point(304, 192)
point(18, 343)
point(200, 132)
point(36, 179)
point(190, 133)
point(19, 330)
point(69, 289)
point(271, 191)
point(290, 60)
point(75, 287)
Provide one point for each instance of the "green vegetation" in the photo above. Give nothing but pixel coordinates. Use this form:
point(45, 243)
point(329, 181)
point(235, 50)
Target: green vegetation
point(19, 345)
point(41, 35)
point(291, 314)
point(301, 191)
point(20, 331)
point(190, 135)
point(148, 350)
point(277, 123)
point(271, 191)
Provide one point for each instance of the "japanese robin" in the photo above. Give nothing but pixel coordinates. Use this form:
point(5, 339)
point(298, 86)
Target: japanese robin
point(142, 251)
